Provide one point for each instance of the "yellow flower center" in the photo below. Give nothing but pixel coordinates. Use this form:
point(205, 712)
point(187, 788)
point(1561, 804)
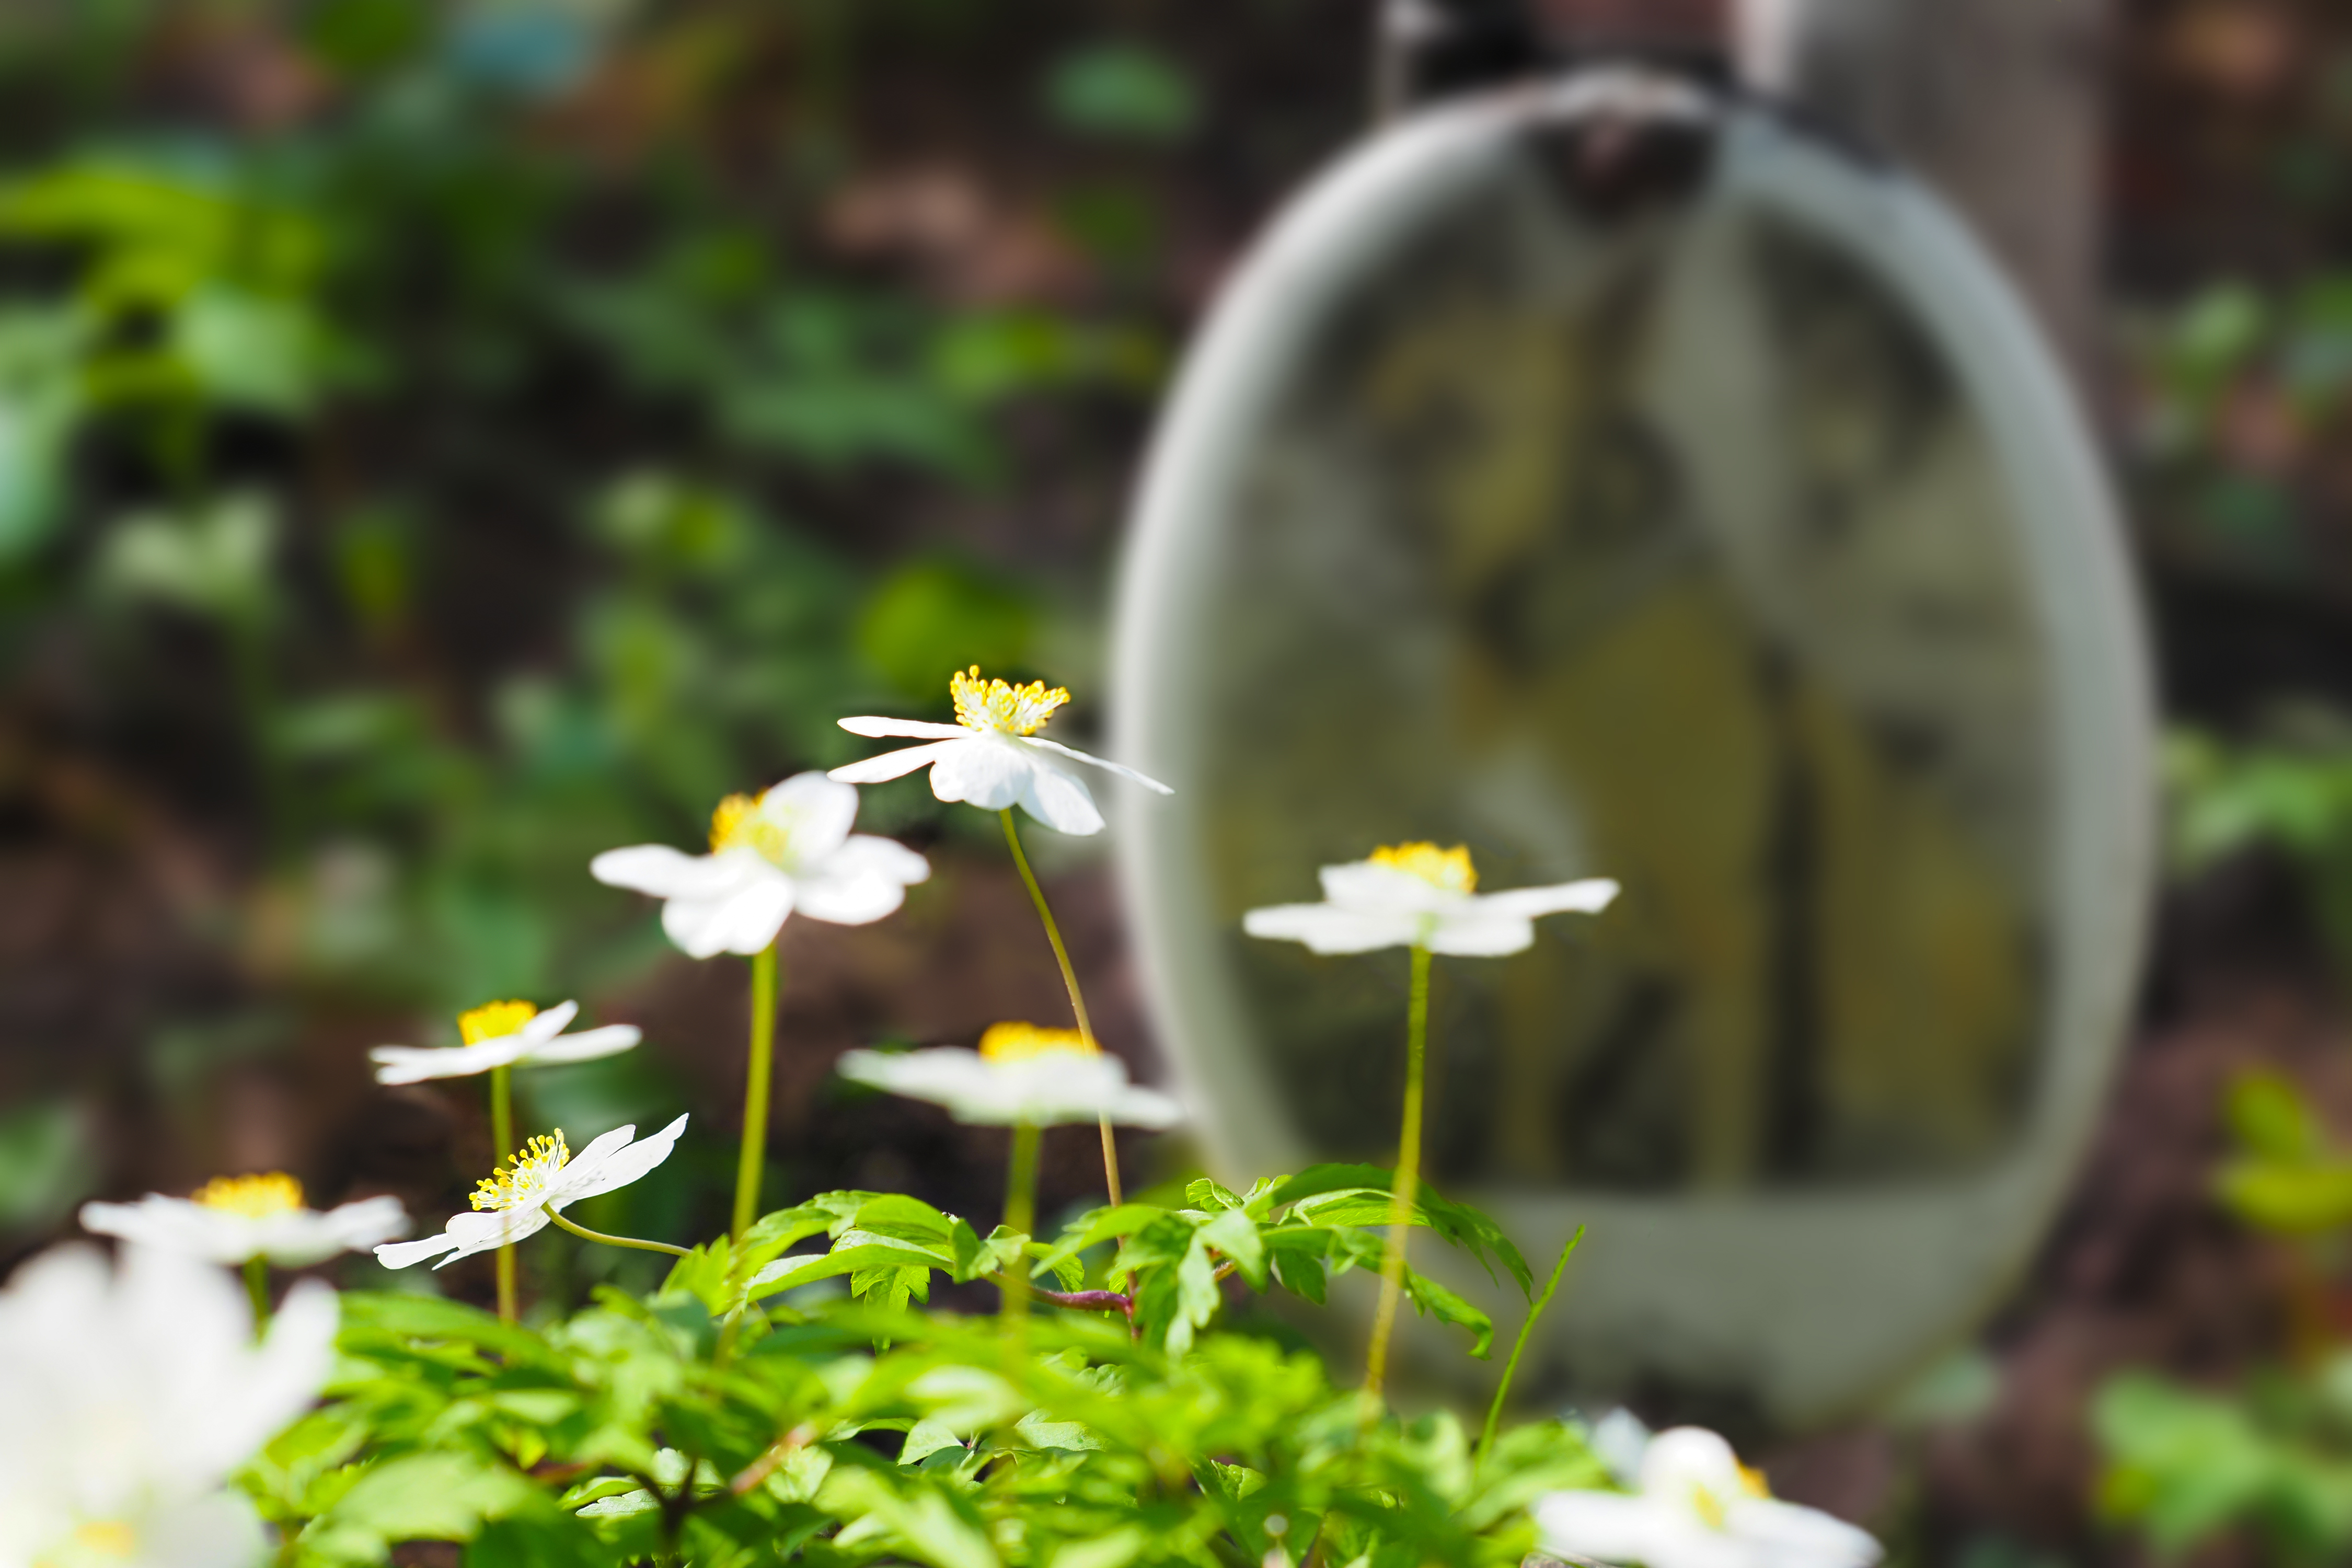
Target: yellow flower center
point(1003, 706)
point(740, 824)
point(1707, 1506)
point(518, 1184)
point(255, 1197)
point(494, 1021)
point(1020, 1042)
point(1753, 1483)
point(100, 1538)
point(1447, 868)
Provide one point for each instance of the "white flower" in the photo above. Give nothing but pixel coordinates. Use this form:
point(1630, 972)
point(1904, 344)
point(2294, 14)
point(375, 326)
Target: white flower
point(1021, 1074)
point(233, 1219)
point(1417, 895)
point(130, 1394)
point(992, 755)
point(513, 1201)
point(1697, 1507)
point(504, 1034)
point(789, 851)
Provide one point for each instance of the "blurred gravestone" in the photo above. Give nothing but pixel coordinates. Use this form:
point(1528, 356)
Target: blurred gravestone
point(1617, 481)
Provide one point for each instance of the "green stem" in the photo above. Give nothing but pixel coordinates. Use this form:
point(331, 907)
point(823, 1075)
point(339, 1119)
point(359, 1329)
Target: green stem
point(1021, 1217)
point(256, 1286)
point(1069, 983)
point(1407, 1185)
point(502, 1137)
point(753, 1158)
point(584, 1234)
point(1511, 1367)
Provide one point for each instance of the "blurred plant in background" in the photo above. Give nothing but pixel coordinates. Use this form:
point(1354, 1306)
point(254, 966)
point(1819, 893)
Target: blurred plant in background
point(439, 441)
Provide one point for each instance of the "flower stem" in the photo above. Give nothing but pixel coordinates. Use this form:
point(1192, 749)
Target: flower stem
point(1020, 1216)
point(1407, 1184)
point(753, 1157)
point(502, 1139)
point(1511, 1367)
point(1069, 983)
point(584, 1234)
point(256, 1286)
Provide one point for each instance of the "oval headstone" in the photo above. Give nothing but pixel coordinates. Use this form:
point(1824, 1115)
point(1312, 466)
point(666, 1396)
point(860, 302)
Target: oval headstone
point(1747, 548)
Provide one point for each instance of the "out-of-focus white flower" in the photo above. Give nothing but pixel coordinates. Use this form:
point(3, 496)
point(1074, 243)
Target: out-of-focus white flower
point(790, 851)
point(1697, 1507)
point(1021, 1074)
point(512, 1203)
point(130, 1396)
point(1418, 895)
point(992, 755)
point(504, 1034)
point(234, 1219)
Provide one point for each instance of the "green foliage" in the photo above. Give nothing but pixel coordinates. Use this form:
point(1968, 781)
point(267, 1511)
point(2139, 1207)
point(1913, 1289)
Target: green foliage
point(706, 1424)
point(2187, 1466)
point(2292, 793)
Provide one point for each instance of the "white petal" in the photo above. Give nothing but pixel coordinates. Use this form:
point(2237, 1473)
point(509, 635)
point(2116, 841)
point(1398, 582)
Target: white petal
point(815, 814)
point(1682, 1460)
point(170, 1225)
point(401, 1254)
point(989, 772)
point(1328, 930)
point(621, 1168)
point(744, 922)
point(1139, 1107)
point(1784, 1535)
point(1589, 898)
point(1630, 1530)
point(548, 1024)
point(897, 764)
point(864, 881)
point(1481, 935)
point(668, 873)
point(586, 1163)
point(361, 1225)
point(219, 1530)
point(587, 1046)
point(1121, 769)
point(1060, 800)
point(909, 728)
point(1373, 888)
point(412, 1064)
point(486, 1231)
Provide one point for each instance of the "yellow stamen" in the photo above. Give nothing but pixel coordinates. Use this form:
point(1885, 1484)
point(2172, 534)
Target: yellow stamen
point(1754, 1483)
point(518, 1185)
point(1708, 1506)
point(1000, 706)
point(1447, 868)
point(740, 824)
point(255, 1197)
point(1020, 1042)
point(494, 1021)
point(106, 1538)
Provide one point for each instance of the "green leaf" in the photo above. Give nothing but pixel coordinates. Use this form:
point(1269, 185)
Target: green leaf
point(1434, 1300)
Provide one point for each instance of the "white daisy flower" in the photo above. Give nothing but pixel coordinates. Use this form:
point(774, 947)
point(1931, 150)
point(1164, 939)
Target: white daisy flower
point(513, 1202)
point(504, 1034)
point(1022, 1075)
point(132, 1394)
point(992, 755)
point(790, 851)
point(1418, 895)
point(235, 1219)
point(1695, 1506)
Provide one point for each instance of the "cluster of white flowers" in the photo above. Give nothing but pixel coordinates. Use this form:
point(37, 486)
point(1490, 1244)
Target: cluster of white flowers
point(129, 1395)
